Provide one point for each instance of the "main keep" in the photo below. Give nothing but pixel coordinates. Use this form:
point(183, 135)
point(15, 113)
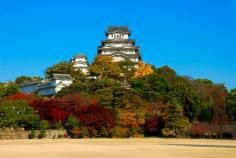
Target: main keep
point(118, 45)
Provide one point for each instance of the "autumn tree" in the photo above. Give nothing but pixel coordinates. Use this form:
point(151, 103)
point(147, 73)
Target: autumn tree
point(231, 104)
point(220, 119)
point(127, 68)
point(142, 70)
point(104, 67)
point(96, 117)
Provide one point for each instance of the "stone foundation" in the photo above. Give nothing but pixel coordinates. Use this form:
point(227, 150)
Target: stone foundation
point(11, 133)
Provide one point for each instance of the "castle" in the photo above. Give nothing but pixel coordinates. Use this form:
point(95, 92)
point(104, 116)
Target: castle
point(118, 45)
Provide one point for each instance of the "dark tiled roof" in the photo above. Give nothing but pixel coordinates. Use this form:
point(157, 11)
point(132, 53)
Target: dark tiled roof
point(119, 41)
point(122, 29)
point(29, 83)
point(62, 77)
point(137, 55)
point(80, 56)
point(118, 48)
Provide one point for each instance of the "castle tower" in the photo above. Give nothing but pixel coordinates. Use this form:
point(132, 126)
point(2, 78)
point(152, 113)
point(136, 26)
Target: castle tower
point(118, 45)
point(80, 62)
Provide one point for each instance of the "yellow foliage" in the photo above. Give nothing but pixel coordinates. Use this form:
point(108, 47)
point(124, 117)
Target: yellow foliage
point(143, 70)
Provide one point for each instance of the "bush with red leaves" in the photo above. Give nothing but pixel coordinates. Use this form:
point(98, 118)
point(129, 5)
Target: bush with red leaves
point(96, 117)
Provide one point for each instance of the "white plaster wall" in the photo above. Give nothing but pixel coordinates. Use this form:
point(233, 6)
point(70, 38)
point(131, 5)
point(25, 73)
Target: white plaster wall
point(80, 59)
point(61, 84)
point(115, 35)
point(117, 59)
point(78, 65)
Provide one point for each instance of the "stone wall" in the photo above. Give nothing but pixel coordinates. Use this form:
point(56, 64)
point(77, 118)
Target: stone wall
point(11, 133)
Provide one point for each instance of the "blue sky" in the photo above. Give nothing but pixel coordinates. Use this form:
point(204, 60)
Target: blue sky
point(195, 37)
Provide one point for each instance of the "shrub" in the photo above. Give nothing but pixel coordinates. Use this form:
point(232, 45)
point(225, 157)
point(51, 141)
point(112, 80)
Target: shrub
point(31, 134)
point(16, 113)
point(42, 133)
point(43, 125)
point(84, 132)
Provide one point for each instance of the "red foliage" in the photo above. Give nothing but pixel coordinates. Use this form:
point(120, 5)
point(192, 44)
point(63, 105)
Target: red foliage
point(90, 114)
point(29, 98)
point(51, 110)
point(154, 125)
point(96, 117)
point(197, 128)
point(58, 114)
point(72, 102)
point(93, 101)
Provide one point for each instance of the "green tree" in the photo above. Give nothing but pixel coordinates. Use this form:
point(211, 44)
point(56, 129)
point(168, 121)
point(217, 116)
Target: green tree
point(175, 121)
point(104, 67)
point(65, 68)
point(32, 134)
point(77, 87)
point(84, 132)
point(205, 89)
point(17, 114)
point(21, 79)
point(127, 68)
point(71, 123)
point(43, 125)
point(104, 132)
point(106, 90)
point(2, 90)
point(231, 104)
point(12, 89)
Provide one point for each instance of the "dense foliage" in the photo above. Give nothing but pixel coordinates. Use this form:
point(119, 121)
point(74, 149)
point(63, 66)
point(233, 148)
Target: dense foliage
point(126, 100)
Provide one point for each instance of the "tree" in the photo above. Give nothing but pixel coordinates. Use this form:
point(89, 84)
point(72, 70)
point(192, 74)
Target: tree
point(2, 90)
point(175, 122)
point(155, 85)
point(29, 98)
point(22, 79)
point(182, 93)
point(96, 117)
point(8, 89)
point(65, 68)
point(143, 70)
point(103, 132)
point(231, 104)
point(72, 126)
point(154, 125)
point(106, 90)
point(127, 68)
point(205, 89)
point(43, 125)
point(220, 119)
point(84, 133)
point(77, 87)
point(17, 114)
point(104, 67)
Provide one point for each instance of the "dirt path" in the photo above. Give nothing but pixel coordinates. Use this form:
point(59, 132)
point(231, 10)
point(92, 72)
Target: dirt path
point(118, 148)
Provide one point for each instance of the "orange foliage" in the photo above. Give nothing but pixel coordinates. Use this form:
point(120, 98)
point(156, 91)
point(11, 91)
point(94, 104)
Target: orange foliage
point(143, 70)
point(128, 119)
